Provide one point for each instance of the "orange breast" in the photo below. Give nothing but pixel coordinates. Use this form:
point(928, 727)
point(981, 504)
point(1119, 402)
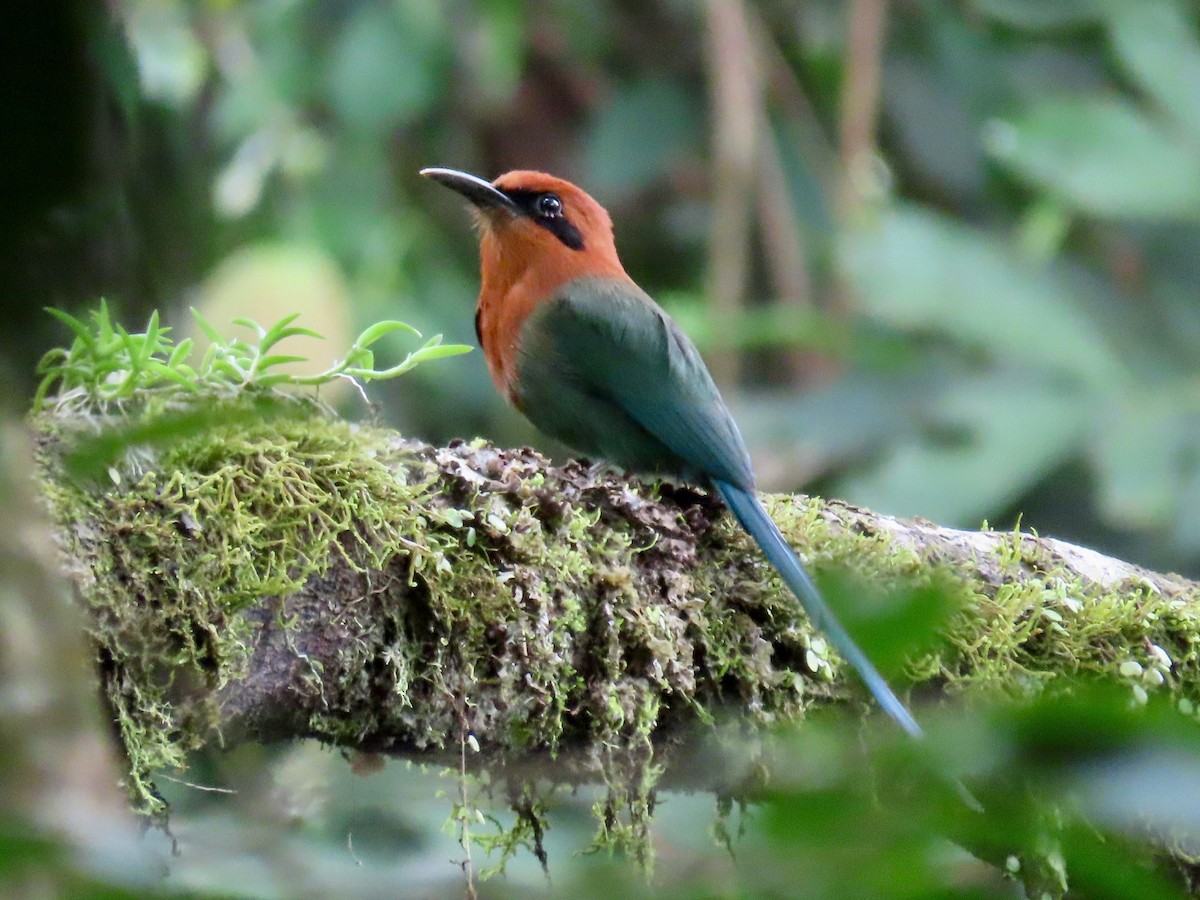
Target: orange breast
point(522, 269)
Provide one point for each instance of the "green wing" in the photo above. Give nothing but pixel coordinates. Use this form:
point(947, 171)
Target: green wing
point(604, 369)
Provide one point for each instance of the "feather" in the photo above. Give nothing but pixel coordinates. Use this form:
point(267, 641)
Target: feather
point(607, 339)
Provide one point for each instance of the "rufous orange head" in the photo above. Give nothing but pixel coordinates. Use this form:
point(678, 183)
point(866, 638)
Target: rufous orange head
point(537, 233)
point(530, 218)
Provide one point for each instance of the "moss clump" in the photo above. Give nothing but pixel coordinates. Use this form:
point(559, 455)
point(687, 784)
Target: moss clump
point(1025, 614)
point(1043, 621)
point(543, 620)
point(177, 544)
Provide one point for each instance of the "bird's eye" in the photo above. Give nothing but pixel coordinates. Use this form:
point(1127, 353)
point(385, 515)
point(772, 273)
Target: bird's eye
point(549, 205)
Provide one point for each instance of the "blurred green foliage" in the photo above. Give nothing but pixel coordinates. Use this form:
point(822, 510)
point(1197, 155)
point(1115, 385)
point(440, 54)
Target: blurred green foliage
point(1082, 794)
point(1022, 279)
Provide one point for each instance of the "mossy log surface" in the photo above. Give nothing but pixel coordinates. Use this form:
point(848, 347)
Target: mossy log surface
point(310, 578)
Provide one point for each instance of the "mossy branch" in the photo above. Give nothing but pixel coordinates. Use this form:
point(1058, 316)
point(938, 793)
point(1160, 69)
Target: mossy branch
point(306, 577)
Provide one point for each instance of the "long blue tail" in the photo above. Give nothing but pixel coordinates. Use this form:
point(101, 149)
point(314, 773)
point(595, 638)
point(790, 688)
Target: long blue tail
point(749, 511)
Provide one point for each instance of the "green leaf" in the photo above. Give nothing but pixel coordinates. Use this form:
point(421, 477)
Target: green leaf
point(919, 271)
point(83, 332)
point(135, 348)
point(154, 333)
point(267, 362)
point(996, 437)
point(211, 333)
point(102, 324)
point(281, 330)
point(1102, 156)
point(255, 327)
point(440, 351)
point(184, 379)
point(1041, 15)
point(379, 329)
point(180, 353)
point(51, 359)
point(1156, 43)
point(275, 335)
point(229, 368)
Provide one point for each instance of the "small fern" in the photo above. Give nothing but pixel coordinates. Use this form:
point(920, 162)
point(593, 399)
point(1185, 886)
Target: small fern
point(107, 365)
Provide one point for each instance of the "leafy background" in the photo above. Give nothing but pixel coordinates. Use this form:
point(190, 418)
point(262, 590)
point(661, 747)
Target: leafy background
point(952, 273)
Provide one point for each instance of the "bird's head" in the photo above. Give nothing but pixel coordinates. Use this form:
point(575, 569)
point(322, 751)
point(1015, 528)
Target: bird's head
point(530, 217)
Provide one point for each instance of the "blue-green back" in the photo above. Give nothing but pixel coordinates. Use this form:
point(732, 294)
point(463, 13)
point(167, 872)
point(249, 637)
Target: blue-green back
point(602, 368)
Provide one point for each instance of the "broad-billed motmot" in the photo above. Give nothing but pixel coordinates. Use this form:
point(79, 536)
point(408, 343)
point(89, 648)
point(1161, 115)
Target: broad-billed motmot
point(592, 360)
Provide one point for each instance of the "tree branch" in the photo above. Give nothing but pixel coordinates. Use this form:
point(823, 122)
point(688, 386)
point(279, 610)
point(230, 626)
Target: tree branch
point(737, 129)
point(307, 578)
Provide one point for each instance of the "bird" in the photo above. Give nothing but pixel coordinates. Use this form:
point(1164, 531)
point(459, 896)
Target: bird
point(590, 359)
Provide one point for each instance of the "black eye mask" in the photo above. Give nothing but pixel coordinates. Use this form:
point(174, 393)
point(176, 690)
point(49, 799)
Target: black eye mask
point(546, 209)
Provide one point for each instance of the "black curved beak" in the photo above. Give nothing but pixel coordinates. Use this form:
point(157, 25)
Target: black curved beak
point(479, 192)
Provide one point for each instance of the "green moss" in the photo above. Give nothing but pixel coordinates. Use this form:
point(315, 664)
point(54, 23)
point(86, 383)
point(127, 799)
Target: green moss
point(1047, 622)
point(182, 539)
point(1033, 619)
point(181, 542)
point(532, 608)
